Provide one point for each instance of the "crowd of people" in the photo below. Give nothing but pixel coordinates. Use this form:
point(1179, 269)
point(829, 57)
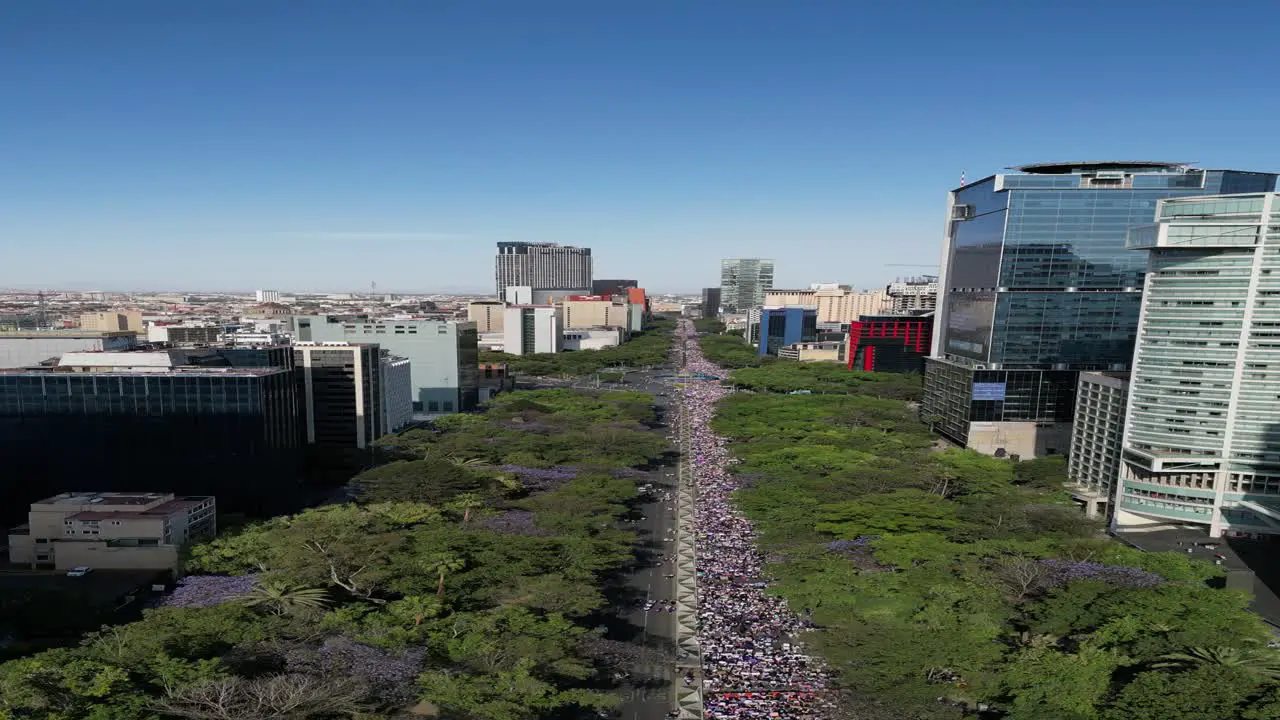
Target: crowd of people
point(753, 665)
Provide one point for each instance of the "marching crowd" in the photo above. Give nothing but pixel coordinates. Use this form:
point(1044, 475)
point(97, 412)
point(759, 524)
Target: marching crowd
point(753, 667)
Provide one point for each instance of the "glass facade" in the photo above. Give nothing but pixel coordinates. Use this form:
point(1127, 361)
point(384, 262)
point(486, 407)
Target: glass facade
point(231, 434)
point(786, 326)
point(743, 282)
point(1040, 274)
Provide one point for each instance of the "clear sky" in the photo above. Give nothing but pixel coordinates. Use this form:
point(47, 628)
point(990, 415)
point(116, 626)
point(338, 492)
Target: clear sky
point(320, 145)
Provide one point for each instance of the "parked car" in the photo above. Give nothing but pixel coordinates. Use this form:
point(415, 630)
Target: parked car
point(79, 571)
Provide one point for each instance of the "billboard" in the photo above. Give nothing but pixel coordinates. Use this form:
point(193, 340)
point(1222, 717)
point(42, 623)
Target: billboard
point(988, 391)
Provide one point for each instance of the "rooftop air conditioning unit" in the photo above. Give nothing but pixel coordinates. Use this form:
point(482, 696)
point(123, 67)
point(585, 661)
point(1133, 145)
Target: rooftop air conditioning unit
point(961, 212)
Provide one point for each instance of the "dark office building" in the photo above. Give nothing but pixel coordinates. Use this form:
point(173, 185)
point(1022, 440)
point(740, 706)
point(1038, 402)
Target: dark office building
point(711, 302)
point(785, 326)
point(609, 288)
point(340, 394)
point(890, 343)
point(222, 431)
point(194, 335)
point(1036, 286)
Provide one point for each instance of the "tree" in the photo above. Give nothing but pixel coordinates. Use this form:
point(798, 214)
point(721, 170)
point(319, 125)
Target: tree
point(415, 608)
point(1260, 661)
point(901, 511)
point(1207, 692)
point(429, 480)
point(442, 564)
point(282, 598)
point(466, 502)
point(1045, 682)
point(274, 697)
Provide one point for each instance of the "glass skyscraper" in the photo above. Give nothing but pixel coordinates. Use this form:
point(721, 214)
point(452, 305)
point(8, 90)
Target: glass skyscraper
point(1037, 284)
point(743, 282)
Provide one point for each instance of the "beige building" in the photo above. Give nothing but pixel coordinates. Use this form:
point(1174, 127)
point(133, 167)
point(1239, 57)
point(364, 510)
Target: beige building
point(487, 315)
point(835, 303)
point(111, 530)
point(112, 321)
point(831, 351)
point(595, 313)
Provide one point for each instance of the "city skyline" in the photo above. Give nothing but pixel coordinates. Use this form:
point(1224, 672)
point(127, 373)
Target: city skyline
point(246, 145)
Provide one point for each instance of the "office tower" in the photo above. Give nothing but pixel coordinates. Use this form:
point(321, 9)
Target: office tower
point(1036, 286)
point(743, 282)
point(340, 393)
point(782, 326)
point(397, 392)
point(443, 355)
point(1202, 429)
point(25, 348)
point(529, 329)
point(609, 288)
point(266, 296)
point(542, 266)
point(710, 302)
point(889, 343)
point(105, 419)
point(912, 295)
point(1096, 431)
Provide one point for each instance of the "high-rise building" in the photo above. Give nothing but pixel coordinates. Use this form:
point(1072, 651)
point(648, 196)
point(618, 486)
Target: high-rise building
point(587, 311)
point(397, 392)
point(208, 426)
point(1094, 462)
point(532, 329)
point(710, 302)
point(609, 288)
point(443, 355)
point(340, 393)
point(1036, 286)
point(542, 266)
point(913, 295)
point(743, 282)
point(781, 326)
point(266, 296)
point(1202, 428)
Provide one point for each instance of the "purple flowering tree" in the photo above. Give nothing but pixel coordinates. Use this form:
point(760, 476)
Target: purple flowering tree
point(198, 591)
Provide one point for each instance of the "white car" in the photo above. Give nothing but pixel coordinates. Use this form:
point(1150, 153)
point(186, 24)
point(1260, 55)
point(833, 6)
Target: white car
point(79, 571)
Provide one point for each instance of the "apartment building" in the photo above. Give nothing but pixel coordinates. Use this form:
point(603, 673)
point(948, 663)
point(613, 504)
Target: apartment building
point(836, 304)
point(111, 530)
point(587, 311)
point(821, 351)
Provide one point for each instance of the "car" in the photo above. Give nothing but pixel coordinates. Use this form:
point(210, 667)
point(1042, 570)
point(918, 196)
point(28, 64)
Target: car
point(79, 571)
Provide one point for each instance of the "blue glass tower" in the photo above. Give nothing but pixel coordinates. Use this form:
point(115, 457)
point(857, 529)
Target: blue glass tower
point(1037, 285)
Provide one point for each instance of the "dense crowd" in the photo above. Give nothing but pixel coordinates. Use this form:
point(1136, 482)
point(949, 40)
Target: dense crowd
point(753, 665)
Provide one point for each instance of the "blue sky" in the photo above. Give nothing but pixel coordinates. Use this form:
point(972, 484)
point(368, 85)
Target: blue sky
point(234, 144)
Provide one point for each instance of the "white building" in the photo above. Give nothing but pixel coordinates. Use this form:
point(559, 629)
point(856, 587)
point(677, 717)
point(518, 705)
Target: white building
point(530, 329)
point(593, 338)
point(111, 530)
point(25, 349)
point(267, 296)
point(242, 338)
point(397, 392)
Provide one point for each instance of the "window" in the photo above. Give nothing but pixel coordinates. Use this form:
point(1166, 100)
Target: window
point(448, 406)
point(433, 406)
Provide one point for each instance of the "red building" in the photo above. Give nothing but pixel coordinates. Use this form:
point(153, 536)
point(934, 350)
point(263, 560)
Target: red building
point(890, 343)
